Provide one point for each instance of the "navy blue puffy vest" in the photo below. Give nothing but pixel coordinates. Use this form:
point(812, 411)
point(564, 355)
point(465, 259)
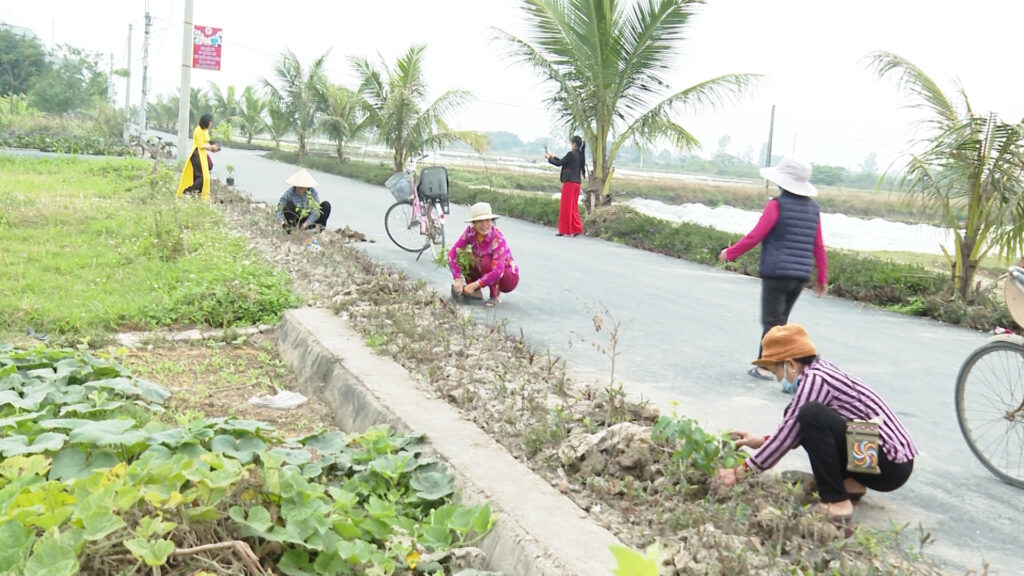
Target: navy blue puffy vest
point(788, 250)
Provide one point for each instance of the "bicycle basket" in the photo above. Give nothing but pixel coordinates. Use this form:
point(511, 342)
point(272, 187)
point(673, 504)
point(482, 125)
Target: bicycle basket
point(400, 185)
point(1013, 293)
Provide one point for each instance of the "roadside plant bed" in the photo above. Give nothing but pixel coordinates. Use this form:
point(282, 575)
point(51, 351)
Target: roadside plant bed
point(645, 476)
point(96, 479)
point(65, 143)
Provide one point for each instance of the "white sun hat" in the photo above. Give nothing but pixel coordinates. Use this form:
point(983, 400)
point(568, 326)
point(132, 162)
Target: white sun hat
point(792, 175)
point(481, 211)
point(301, 179)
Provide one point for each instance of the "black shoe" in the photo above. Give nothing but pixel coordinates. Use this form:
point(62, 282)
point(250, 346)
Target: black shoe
point(559, 234)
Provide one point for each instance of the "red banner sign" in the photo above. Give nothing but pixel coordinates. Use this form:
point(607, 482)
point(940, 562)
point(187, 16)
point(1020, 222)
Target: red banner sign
point(206, 43)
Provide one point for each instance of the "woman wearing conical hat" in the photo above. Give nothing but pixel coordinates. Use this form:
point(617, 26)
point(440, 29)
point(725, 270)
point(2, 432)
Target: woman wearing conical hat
point(300, 205)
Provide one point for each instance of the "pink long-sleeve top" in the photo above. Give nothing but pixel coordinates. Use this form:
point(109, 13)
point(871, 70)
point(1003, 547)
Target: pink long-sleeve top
point(764, 225)
point(823, 382)
point(492, 245)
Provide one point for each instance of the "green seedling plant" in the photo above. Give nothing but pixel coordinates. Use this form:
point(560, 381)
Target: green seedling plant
point(693, 448)
point(96, 479)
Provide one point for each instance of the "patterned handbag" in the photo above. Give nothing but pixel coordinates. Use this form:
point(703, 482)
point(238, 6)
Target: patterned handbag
point(862, 446)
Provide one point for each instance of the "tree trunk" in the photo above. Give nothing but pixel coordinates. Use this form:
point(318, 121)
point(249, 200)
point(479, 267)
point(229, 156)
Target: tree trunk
point(341, 153)
point(302, 145)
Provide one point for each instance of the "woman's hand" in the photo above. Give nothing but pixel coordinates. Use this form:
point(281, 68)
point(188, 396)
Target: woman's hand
point(742, 438)
point(723, 256)
point(471, 287)
point(729, 476)
point(548, 155)
point(459, 284)
point(820, 289)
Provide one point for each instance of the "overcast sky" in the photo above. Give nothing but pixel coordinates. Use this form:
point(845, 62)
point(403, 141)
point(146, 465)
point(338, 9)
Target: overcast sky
point(830, 109)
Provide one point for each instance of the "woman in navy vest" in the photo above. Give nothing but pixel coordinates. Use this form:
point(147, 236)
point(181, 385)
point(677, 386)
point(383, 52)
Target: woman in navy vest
point(789, 232)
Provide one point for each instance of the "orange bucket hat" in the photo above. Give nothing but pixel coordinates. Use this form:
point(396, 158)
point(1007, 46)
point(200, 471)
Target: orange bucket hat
point(783, 342)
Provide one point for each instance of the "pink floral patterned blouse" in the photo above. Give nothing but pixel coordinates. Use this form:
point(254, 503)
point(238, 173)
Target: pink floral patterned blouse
point(493, 247)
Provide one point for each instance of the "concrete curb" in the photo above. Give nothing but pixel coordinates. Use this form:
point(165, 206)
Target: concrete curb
point(539, 531)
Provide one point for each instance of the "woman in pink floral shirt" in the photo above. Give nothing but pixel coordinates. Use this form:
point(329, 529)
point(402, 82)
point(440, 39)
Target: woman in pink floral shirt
point(493, 266)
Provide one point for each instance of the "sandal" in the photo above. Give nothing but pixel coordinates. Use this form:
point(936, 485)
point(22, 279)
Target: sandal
point(757, 374)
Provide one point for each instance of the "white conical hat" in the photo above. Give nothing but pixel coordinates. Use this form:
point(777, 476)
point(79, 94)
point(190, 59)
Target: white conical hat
point(793, 175)
point(301, 179)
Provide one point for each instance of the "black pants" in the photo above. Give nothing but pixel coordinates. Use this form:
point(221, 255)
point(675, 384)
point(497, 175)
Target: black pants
point(823, 436)
point(777, 298)
point(197, 175)
point(293, 219)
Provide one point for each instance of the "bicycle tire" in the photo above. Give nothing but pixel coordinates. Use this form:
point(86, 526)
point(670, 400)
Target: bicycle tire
point(403, 230)
point(989, 392)
point(435, 224)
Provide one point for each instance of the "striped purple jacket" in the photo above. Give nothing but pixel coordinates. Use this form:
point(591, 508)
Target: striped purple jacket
point(823, 382)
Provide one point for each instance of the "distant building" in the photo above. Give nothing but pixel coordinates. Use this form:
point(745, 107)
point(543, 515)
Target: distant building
point(20, 31)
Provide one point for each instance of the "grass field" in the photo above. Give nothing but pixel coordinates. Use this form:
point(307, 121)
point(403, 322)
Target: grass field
point(90, 246)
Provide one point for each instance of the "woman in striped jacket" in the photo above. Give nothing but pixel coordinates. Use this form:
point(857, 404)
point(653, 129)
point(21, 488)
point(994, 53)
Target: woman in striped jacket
point(826, 398)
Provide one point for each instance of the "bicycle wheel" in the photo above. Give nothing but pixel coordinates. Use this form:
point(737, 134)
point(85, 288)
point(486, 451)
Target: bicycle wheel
point(403, 229)
point(435, 224)
point(990, 408)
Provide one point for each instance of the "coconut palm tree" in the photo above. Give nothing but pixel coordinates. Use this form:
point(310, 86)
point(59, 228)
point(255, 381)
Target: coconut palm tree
point(396, 106)
point(606, 61)
point(296, 93)
point(278, 124)
point(251, 114)
point(343, 118)
point(226, 106)
point(199, 104)
point(966, 163)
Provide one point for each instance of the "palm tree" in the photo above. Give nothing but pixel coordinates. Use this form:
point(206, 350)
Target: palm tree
point(250, 115)
point(226, 106)
point(605, 60)
point(279, 123)
point(163, 113)
point(395, 103)
point(343, 119)
point(296, 93)
point(199, 104)
point(969, 164)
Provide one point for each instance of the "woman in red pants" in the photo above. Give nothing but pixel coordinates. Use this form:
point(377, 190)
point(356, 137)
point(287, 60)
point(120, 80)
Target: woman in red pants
point(493, 267)
point(574, 167)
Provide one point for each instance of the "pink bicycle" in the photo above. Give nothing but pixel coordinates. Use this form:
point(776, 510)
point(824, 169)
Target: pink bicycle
point(415, 222)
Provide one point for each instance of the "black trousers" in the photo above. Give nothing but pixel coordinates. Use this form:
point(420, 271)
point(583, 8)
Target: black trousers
point(823, 436)
point(197, 175)
point(778, 295)
point(293, 219)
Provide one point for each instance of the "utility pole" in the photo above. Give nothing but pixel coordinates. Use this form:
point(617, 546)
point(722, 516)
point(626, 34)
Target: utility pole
point(111, 97)
point(768, 154)
point(128, 79)
point(145, 69)
point(185, 89)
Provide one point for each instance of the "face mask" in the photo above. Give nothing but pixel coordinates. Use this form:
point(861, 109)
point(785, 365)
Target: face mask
point(790, 386)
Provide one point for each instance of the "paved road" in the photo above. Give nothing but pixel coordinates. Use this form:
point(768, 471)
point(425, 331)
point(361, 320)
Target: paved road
point(688, 334)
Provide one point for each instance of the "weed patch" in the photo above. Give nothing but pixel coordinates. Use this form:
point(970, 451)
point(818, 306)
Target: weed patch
point(91, 246)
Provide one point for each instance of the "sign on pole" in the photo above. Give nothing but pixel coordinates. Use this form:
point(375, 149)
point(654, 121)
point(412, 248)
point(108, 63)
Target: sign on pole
point(206, 44)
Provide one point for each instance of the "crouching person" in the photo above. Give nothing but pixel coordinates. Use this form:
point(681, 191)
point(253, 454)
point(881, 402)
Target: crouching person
point(301, 206)
point(825, 403)
point(493, 265)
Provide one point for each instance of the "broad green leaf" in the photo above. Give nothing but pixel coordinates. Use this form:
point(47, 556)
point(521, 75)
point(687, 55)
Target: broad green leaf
point(63, 423)
point(52, 503)
point(257, 520)
point(123, 386)
point(18, 445)
point(296, 563)
point(201, 514)
point(152, 552)
point(154, 526)
point(633, 563)
point(33, 395)
point(15, 544)
point(391, 466)
point(152, 392)
point(53, 555)
point(251, 426)
point(462, 521)
point(355, 551)
point(22, 466)
point(9, 397)
point(87, 408)
point(173, 437)
point(433, 485)
point(243, 449)
point(13, 420)
point(484, 520)
point(326, 442)
point(108, 433)
point(293, 456)
point(96, 515)
point(436, 536)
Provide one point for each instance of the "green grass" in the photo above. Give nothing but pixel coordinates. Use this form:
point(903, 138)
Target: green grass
point(91, 246)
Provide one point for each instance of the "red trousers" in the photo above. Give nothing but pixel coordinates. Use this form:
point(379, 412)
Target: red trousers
point(507, 283)
point(569, 209)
